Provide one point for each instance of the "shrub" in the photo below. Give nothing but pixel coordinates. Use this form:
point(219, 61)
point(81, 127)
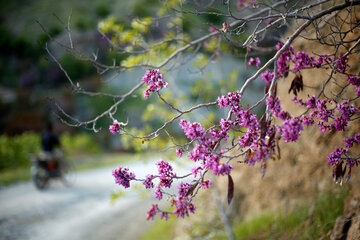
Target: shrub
point(15, 151)
point(78, 144)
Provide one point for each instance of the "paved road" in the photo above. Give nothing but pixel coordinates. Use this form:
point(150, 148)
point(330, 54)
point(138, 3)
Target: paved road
point(83, 211)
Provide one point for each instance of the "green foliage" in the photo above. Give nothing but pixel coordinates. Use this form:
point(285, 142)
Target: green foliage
point(140, 9)
point(84, 24)
point(79, 144)
point(102, 10)
point(257, 225)
point(74, 67)
point(309, 221)
point(10, 176)
point(15, 151)
point(327, 208)
point(212, 18)
point(161, 230)
point(5, 40)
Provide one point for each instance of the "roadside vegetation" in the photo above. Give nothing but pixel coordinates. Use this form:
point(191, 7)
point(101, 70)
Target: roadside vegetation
point(311, 220)
point(80, 149)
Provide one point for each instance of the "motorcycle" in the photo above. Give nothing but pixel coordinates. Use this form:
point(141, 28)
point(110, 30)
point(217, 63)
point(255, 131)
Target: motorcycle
point(48, 166)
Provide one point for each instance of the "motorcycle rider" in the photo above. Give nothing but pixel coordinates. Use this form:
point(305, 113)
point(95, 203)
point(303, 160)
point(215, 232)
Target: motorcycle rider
point(49, 143)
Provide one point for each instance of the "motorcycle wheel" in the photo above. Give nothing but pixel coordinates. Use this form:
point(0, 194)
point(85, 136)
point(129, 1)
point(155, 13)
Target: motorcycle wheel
point(67, 174)
point(40, 178)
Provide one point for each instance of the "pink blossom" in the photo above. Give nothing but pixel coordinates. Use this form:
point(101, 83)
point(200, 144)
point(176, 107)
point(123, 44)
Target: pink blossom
point(231, 99)
point(166, 174)
point(297, 101)
point(183, 189)
point(115, 127)
point(205, 184)
point(158, 193)
point(196, 170)
point(307, 120)
point(311, 102)
point(291, 129)
point(122, 176)
point(155, 79)
point(192, 130)
point(335, 156)
point(283, 60)
point(164, 215)
point(222, 169)
point(183, 206)
point(267, 76)
point(255, 62)
point(152, 212)
point(341, 63)
point(198, 152)
point(179, 152)
point(148, 181)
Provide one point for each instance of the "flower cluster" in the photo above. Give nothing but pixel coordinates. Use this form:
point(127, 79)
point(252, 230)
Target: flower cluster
point(335, 156)
point(152, 211)
point(255, 134)
point(203, 151)
point(115, 127)
point(254, 62)
point(346, 111)
point(192, 130)
point(231, 99)
point(183, 189)
point(323, 112)
point(341, 155)
point(290, 129)
point(298, 101)
point(158, 193)
point(341, 63)
point(155, 79)
point(354, 80)
point(302, 60)
point(274, 107)
point(267, 76)
point(205, 184)
point(148, 181)
point(166, 173)
point(283, 60)
point(164, 215)
point(319, 110)
point(179, 152)
point(123, 177)
point(311, 102)
point(183, 206)
point(349, 142)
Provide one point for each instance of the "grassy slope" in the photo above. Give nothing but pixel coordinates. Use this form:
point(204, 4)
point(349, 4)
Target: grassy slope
point(161, 230)
point(311, 220)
